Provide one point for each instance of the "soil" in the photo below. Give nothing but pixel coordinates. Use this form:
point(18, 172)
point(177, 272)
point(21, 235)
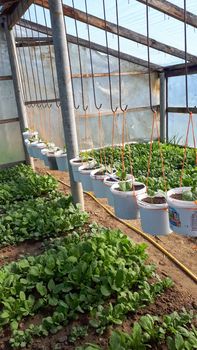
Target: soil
point(177, 196)
point(182, 294)
point(110, 179)
point(134, 188)
point(154, 200)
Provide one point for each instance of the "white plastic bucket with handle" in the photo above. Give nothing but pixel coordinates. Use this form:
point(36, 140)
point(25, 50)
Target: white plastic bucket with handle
point(108, 183)
point(39, 147)
point(75, 164)
point(182, 214)
point(29, 134)
point(154, 217)
point(44, 155)
point(62, 161)
point(125, 203)
point(98, 185)
point(85, 178)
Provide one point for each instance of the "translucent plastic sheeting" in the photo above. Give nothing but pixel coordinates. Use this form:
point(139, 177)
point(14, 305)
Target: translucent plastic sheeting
point(4, 58)
point(176, 91)
point(8, 107)
point(11, 148)
point(177, 128)
point(135, 93)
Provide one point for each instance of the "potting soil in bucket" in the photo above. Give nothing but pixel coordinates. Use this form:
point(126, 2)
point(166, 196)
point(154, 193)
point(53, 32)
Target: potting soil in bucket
point(86, 180)
point(154, 216)
point(125, 203)
point(182, 214)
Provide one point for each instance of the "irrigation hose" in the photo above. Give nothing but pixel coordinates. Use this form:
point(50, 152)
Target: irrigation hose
point(144, 235)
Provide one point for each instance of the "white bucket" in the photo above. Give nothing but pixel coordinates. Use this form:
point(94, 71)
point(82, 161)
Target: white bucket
point(125, 203)
point(154, 217)
point(108, 184)
point(75, 164)
point(98, 183)
point(44, 154)
point(182, 214)
point(39, 147)
point(62, 161)
point(34, 149)
point(85, 177)
point(29, 134)
point(52, 160)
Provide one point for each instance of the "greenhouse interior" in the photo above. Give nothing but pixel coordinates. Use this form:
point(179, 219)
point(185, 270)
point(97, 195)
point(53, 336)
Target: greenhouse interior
point(98, 174)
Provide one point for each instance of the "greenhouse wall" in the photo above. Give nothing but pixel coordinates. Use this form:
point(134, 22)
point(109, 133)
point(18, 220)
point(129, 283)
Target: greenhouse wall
point(11, 147)
point(38, 85)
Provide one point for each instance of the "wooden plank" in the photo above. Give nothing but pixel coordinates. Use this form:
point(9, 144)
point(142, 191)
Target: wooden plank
point(85, 43)
point(172, 10)
point(179, 69)
point(8, 121)
point(123, 32)
point(18, 11)
point(5, 77)
point(182, 110)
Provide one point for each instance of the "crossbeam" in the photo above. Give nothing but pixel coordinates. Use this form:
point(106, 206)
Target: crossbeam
point(123, 32)
point(18, 11)
point(172, 10)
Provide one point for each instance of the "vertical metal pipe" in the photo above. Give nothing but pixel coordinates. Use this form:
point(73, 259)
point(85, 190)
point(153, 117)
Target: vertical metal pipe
point(162, 107)
point(167, 113)
point(17, 87)
point(65, 90)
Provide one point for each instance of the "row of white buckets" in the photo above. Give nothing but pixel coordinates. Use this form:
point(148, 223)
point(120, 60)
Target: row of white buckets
point(156, 219)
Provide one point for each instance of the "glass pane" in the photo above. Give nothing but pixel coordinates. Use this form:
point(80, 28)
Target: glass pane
point(177, 128)
point(8, 107)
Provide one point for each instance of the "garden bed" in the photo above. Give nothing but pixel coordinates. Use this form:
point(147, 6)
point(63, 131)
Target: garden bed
point(162, 299)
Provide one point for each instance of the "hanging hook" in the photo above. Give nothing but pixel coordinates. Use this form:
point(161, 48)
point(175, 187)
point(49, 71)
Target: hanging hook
point(186, 72)
point(119, 63)
point(108, 61)
point(148, 53)
point(80, 63)
point(91, 60)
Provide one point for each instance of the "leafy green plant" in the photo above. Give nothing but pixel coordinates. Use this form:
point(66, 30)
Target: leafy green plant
point(101, 270)
point(77, 332)
point(40, 218)
point(190, 195)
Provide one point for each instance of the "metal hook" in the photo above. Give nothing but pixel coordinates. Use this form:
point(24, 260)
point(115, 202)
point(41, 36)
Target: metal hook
point(148, 53)
point(91, 60)
point(108, 61)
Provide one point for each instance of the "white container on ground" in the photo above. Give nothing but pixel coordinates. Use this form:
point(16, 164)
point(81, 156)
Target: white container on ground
point(29, 134)
point(108, 183)
point(85, 178)
point(125, 203)
point(98, 185)
point(154, 217)
point(182, 214)
point(75, 164)
point(44, 155)
point(62, 161)
point(52, 160)
point(39, 147)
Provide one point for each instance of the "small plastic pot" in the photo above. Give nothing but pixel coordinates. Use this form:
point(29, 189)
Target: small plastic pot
point(125, 203)
point(154, 217)
point(75, 164)
point(182, 214)
point(85, 178)
point(62, 161)
point(98, 185)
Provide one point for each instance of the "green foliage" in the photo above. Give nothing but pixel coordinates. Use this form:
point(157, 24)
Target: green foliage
point(102, 273)
point(22, 183)
point(174, 330)
point(39, 218)
point(139, 154)
point(77, 332)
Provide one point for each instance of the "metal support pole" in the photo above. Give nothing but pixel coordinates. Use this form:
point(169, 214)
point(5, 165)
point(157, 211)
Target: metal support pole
point(65, 91)
point(162, 107)
point(17, 87)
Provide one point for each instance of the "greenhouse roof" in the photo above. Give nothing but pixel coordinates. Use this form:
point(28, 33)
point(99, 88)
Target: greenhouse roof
point(166, 27)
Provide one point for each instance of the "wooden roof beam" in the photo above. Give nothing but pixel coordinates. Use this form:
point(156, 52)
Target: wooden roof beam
point(18, 10)
point(172, 10)
point(123, 32)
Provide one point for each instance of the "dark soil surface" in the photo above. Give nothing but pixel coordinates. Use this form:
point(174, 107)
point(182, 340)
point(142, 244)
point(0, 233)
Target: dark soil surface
point(182, 294)
point(177, 196)
point(134, 188)
point(154, 200)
